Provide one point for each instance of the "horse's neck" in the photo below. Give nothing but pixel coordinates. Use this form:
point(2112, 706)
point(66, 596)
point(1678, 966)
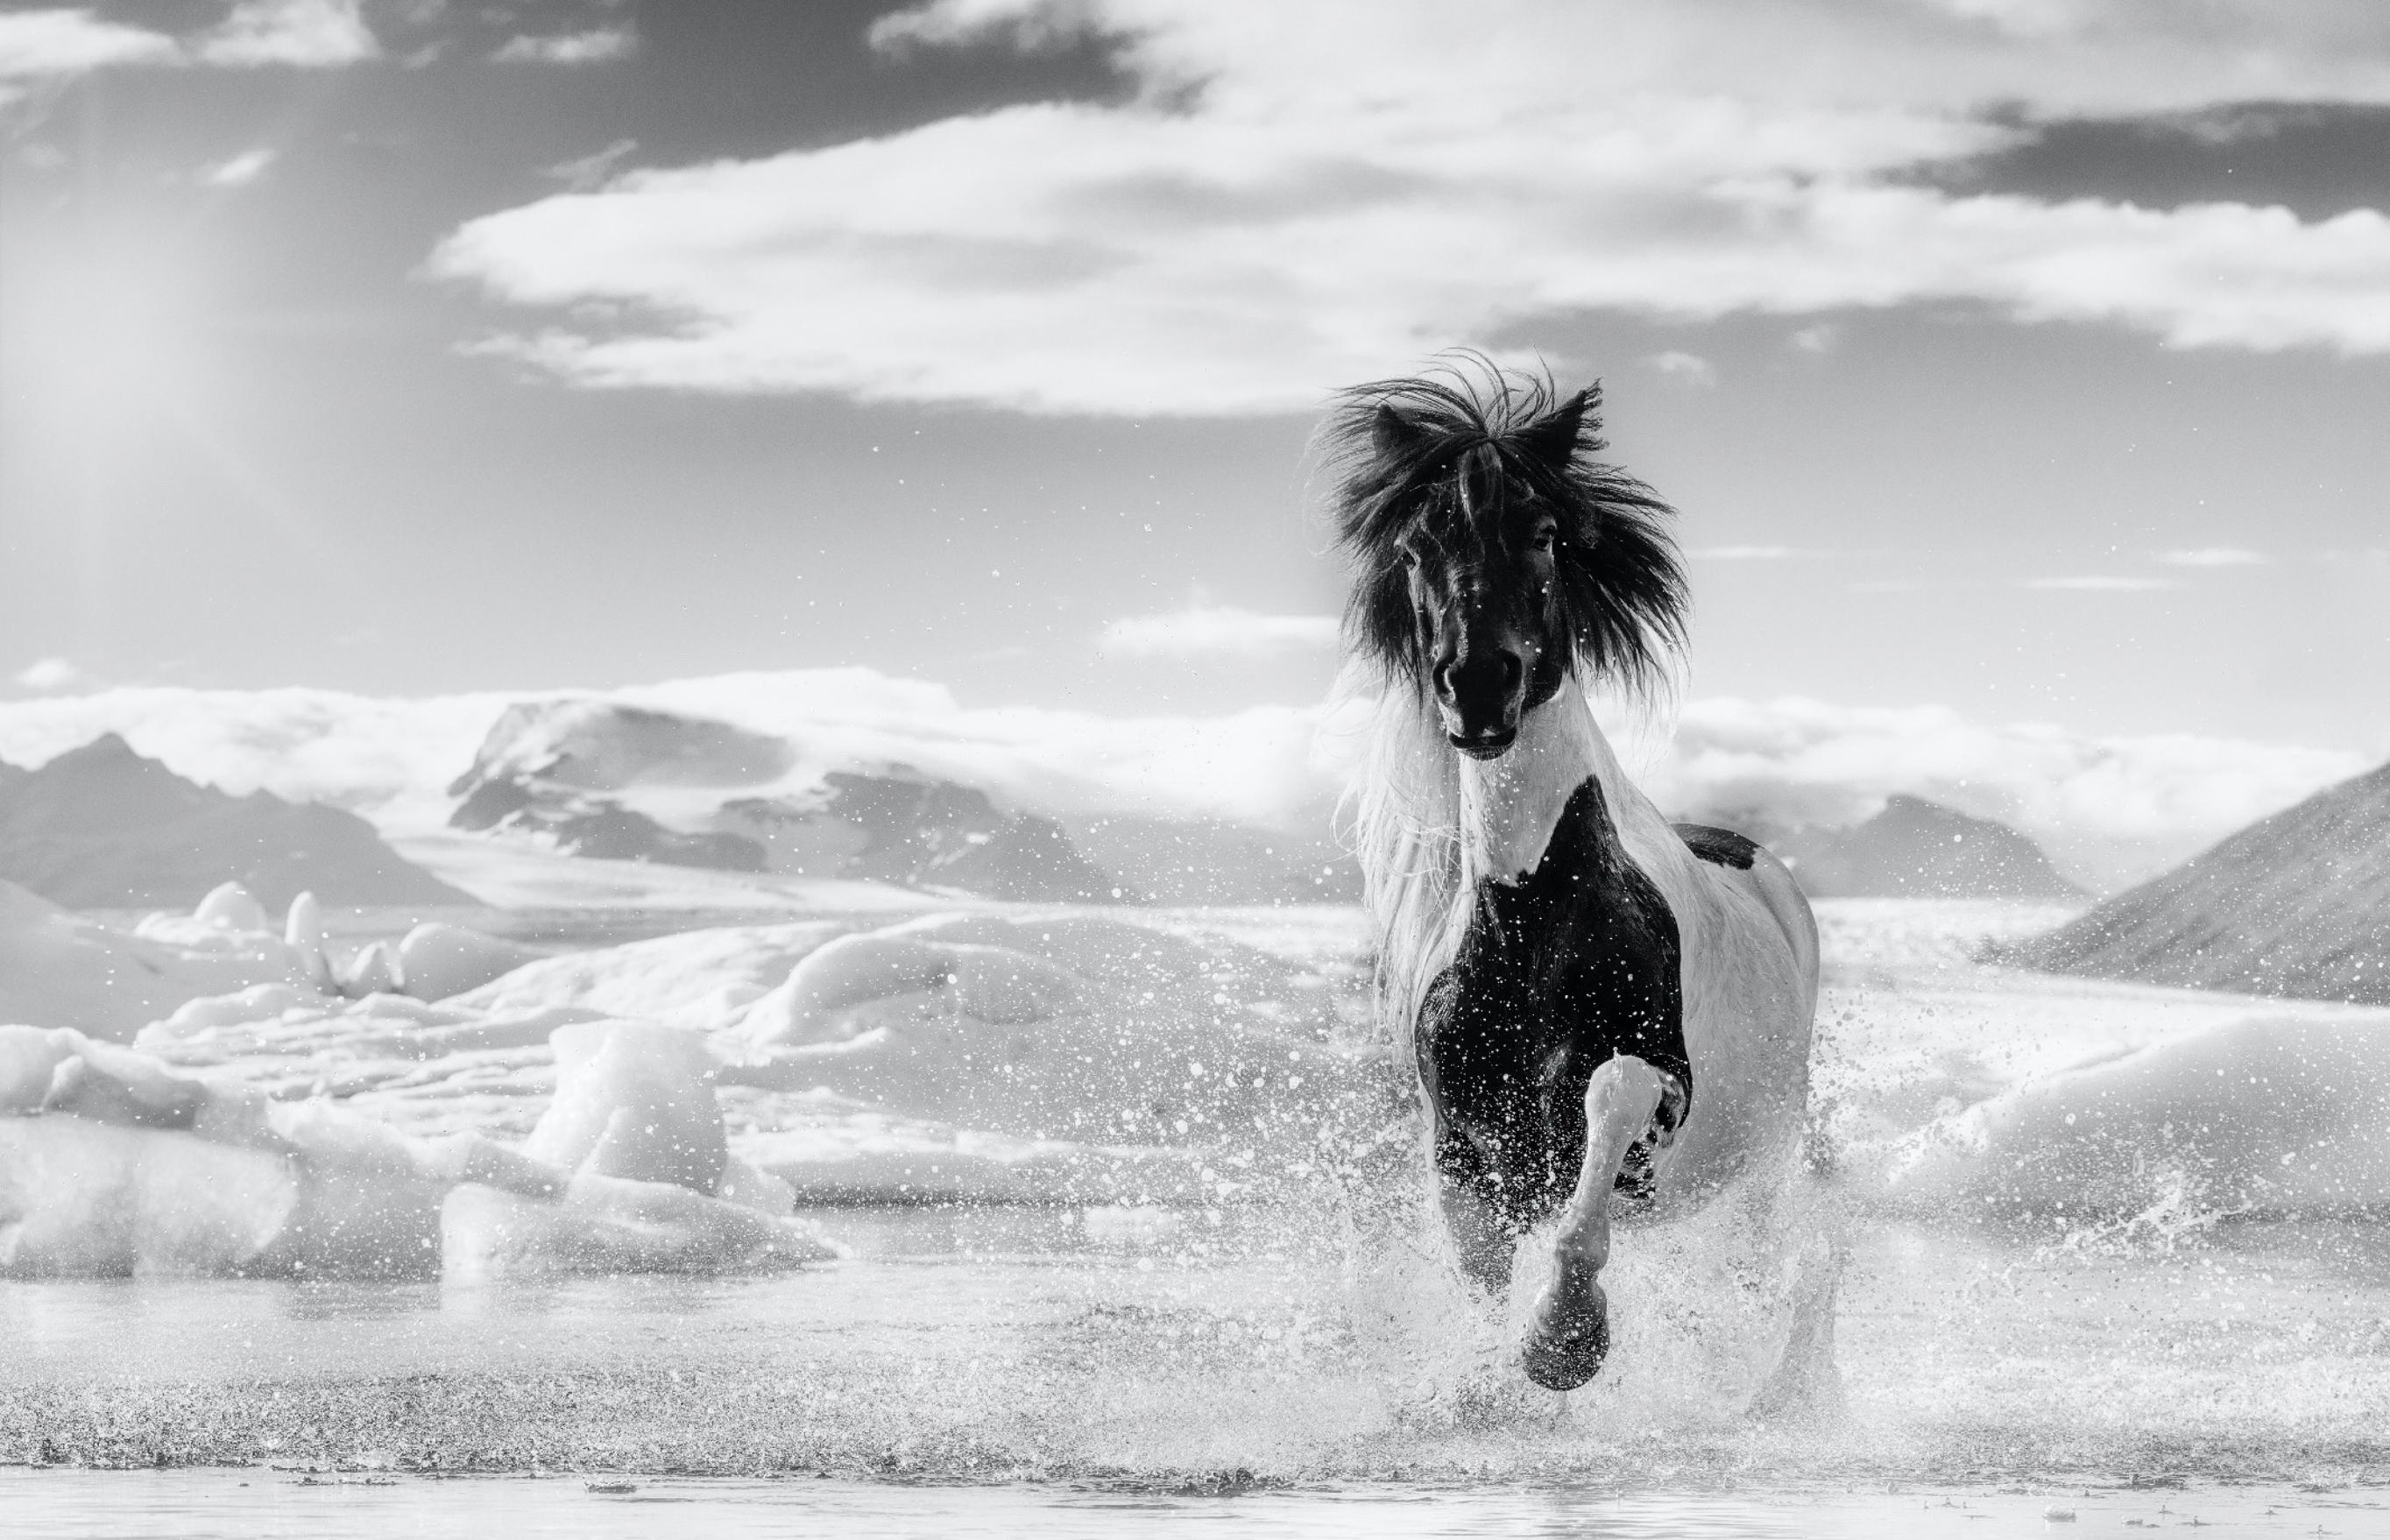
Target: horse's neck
point(1510, 806)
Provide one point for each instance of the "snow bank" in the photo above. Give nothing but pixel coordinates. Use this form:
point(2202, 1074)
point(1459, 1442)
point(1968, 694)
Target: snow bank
point(2258, 1116)
point(1059, 1026)
point(61, 969)
point(1049, 1056)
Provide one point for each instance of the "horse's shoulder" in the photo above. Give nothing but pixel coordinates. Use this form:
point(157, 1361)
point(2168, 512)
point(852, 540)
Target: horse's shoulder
point(1719, 847)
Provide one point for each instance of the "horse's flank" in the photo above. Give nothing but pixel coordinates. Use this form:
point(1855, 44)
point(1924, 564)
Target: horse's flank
point(1430, 827)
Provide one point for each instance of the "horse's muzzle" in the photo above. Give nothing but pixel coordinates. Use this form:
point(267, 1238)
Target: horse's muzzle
point(1492, 743)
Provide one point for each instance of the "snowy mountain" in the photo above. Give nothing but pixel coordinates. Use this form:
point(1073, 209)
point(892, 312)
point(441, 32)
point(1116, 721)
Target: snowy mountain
point(2297, 904)
point(100, 827)
point(905, 828)
point(1917, 849)
point(599, 778)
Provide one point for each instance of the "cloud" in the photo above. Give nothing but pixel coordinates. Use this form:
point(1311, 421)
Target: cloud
point(40, 44)
point(2112, 808)
point(1690, 367)
point(1297, 198)
point(1822, 338)
point(240, 170)
point(391, 758)
point(591, 171)
point(2101, 584)
point(50, 674)
point(597, 46)
point(2215, 555)
point(309, 33)
point(1215, 630)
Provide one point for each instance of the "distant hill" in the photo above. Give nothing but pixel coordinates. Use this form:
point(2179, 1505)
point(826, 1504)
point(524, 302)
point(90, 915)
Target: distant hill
point(1917, 849)
point(603, 746)
point(923, 833)
point(2297, 904)
point(598, 778)
point(601, 779)
point(100, 827)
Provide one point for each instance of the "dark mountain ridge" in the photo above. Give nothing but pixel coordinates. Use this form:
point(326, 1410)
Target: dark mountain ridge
point(100, 827)
point(1919, 849)
point(2297, 904)
point(569, 771)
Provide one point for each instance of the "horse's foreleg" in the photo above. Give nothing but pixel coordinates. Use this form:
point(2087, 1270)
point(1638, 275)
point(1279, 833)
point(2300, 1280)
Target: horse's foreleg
point(1571, 1335)
point(1478, 1234)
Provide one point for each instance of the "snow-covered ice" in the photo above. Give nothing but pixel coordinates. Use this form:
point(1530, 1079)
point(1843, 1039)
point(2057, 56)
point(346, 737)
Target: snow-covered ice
point(1092, 1056)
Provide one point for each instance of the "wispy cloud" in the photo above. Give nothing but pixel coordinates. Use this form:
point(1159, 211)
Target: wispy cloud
point(2102, 584)
point(40, 44)
point(56, 43)
point(1215, 630)
point(598, 46)
point(1274, 232)
point(1742, 553)
point(47, 675)
point(591, 171)
point(2120, 805)
point(2215, 555)
point(240, 170)
point(307, 33)
point(1690, 367)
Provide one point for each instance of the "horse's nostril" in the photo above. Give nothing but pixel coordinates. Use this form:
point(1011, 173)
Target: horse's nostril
point(1511, 668)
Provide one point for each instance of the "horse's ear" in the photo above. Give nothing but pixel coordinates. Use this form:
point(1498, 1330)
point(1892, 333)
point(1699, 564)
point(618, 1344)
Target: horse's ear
point(1553, 440)
point(1392, 435)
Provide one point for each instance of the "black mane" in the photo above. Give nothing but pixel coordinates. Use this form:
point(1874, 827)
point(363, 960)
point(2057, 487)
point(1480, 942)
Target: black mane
point(1391, 446)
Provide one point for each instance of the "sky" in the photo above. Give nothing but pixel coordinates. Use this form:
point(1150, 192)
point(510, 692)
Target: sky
point(2019, 361)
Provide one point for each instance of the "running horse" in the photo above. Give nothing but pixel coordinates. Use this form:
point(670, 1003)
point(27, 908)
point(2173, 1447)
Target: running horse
point(1604, 1008)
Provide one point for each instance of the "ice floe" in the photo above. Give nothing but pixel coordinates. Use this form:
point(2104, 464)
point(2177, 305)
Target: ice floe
point(667, 1103)
point(113, 1162)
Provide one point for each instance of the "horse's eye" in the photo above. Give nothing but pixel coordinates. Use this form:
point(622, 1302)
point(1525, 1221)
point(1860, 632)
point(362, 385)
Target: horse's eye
point(1546, 535)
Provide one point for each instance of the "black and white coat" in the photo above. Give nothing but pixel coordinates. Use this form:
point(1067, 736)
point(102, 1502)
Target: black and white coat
point(1591, 990)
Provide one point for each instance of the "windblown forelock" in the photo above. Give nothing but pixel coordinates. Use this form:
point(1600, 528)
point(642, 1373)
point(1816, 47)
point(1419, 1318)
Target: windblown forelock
point(1484, 437)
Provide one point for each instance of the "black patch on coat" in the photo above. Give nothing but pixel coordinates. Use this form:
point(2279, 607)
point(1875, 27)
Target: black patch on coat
point(1557, 973)
point(1719, 847)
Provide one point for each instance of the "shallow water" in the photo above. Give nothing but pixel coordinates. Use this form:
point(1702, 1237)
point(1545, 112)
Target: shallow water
point(1157, 1352)
point(1878, 1345)
point(208, 1505)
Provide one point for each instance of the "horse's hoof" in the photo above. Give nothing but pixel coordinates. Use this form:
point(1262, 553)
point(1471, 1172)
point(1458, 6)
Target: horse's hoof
point(1564, 1353)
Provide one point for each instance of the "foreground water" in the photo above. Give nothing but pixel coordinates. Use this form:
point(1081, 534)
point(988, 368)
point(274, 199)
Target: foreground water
point(1151, 1352)
point(208, 1504)
point(2061, 1248)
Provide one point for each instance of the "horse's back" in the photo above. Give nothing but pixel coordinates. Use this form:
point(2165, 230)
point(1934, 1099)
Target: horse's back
point(1739, 862)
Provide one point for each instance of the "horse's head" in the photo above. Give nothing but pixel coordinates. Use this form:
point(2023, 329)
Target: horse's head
point(1480, 561)
point(1495, 556)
